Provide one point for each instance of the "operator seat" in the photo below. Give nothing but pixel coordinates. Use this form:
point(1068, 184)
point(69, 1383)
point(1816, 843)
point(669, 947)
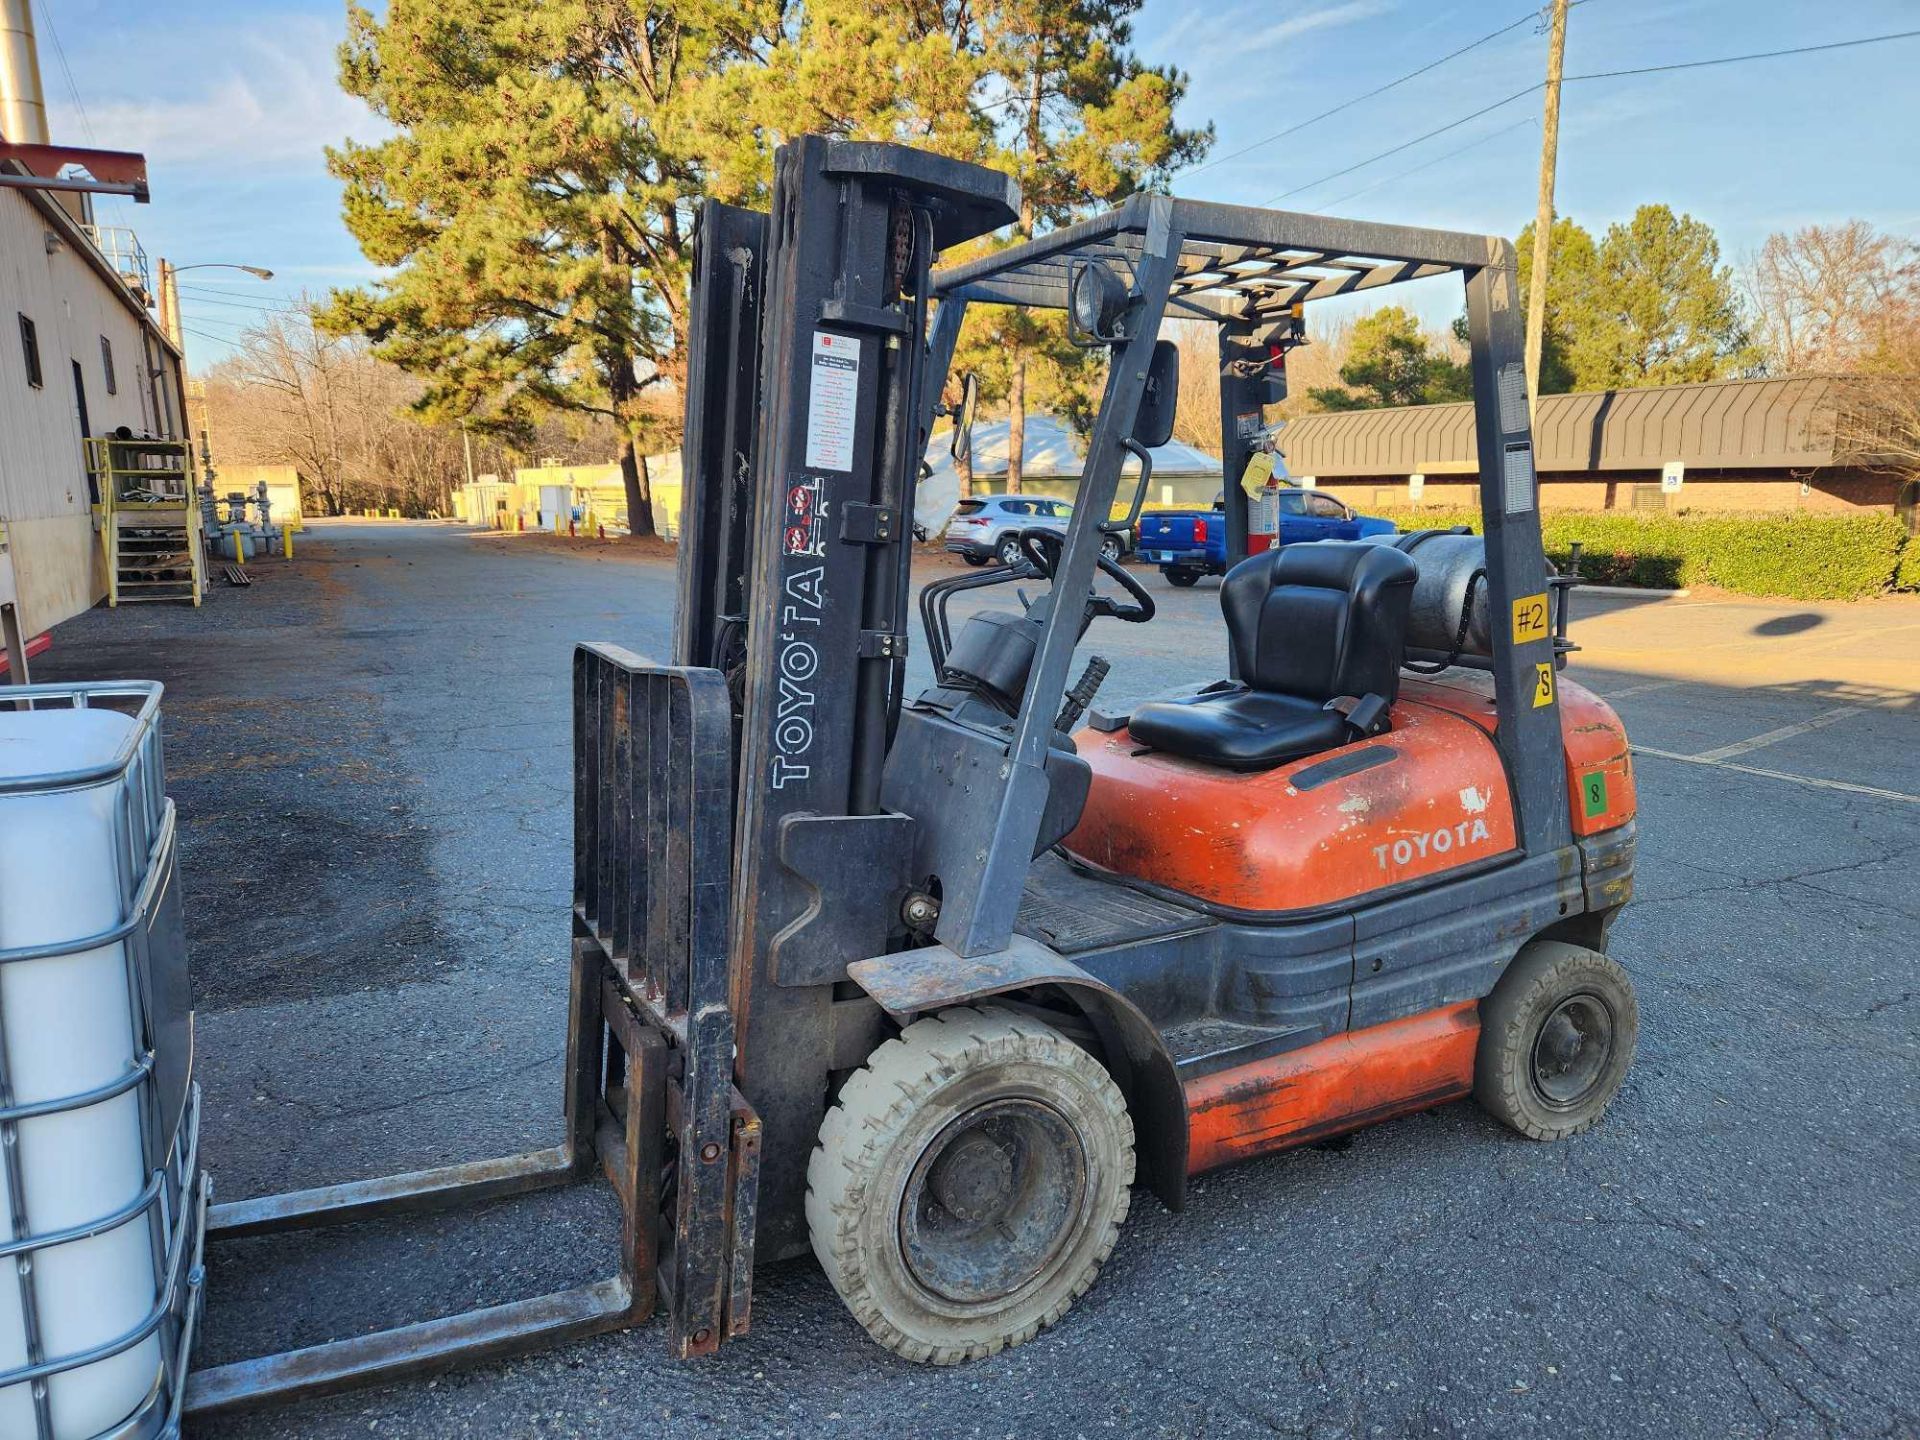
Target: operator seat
point(1318, 633)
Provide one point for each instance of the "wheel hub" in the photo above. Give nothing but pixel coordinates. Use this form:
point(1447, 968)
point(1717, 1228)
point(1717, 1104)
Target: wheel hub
point(1571, 1050)
point(973, 1179)
point(991, 1200)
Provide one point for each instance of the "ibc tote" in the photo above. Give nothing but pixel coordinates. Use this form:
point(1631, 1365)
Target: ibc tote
point(102, 1206)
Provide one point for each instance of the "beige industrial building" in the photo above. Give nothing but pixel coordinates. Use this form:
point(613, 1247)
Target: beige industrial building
point(80, 355)
point(1729, 445)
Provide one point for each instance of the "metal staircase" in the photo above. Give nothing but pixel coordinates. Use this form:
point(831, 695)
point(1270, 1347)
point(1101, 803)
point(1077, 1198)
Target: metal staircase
point(151, 531)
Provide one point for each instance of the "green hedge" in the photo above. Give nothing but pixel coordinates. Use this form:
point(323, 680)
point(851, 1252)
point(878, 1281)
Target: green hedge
point(1791, 555)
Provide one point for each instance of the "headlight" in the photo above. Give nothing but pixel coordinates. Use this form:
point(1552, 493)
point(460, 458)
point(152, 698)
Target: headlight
point(1099, 300)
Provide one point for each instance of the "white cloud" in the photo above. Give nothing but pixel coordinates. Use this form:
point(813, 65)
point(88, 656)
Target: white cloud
point(1209, 41)
point(1324, 18)
point(270, 106)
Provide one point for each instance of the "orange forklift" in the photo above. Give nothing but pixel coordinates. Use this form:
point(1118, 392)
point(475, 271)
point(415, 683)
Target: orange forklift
point(923, 983)
point(996, 954)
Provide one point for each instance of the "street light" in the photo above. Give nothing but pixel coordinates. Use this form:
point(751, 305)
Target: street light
point(170, 298)
point(254, 270)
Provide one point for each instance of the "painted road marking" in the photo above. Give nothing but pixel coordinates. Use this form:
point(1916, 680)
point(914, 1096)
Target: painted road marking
point(1808, 780)
point(1785, 732)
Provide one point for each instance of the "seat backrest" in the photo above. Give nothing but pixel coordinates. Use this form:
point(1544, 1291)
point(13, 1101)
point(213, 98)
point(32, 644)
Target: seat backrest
point(1321, 619)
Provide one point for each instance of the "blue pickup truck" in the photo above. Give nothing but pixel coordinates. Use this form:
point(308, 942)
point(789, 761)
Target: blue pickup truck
point(1187, 544)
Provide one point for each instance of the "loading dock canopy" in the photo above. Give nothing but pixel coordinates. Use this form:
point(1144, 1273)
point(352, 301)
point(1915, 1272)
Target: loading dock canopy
point(1235, 263)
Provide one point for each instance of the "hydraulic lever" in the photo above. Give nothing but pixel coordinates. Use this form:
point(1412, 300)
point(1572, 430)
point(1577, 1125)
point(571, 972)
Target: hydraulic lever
point(1082, 693)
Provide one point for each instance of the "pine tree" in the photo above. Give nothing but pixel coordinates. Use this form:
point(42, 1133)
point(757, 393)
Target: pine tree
point(1650, 304)
point(536, 202)
point(1082, 123)
point(1391, 362)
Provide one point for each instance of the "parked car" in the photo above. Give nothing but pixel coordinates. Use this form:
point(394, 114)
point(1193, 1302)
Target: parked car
point(987, 527)
point(1187, 544)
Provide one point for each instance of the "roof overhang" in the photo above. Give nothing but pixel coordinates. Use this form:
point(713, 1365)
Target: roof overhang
point(104, 172)
point(1235, 262)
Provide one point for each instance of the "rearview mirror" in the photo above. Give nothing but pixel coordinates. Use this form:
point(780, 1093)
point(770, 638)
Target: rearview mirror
point(963, 416)
point(1153, 421)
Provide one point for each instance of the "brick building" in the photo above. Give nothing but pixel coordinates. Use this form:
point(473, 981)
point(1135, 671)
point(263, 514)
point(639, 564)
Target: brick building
point(1742, 445)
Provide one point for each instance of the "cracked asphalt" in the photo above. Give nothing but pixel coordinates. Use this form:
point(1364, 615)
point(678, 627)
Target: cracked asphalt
point(369, 750)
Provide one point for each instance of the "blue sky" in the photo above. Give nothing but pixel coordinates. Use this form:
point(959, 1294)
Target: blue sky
point(232, 103)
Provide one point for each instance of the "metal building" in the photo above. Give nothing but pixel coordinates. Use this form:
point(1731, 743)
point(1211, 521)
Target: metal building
point(80, 354)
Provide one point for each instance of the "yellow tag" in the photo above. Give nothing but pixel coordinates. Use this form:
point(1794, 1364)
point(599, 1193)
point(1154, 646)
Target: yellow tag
point(1259, 470)
point(1543, 684)
point(1529, 619)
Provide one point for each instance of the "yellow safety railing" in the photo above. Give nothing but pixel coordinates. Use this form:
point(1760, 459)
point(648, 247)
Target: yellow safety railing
point(149, 484)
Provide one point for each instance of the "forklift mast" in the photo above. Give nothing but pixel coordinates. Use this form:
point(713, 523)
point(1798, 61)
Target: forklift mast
point(794, 580)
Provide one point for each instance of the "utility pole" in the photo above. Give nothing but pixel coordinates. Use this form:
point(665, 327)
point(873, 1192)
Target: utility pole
point(1543, 216)
point(168, 301)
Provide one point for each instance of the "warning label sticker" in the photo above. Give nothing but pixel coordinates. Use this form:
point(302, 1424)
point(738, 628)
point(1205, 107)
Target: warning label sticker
point(1543, 684)
point(1593, 793)
point(832, 401)
point(1530, 619)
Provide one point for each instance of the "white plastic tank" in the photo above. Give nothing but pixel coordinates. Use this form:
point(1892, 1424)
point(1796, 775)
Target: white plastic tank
point(68, 1024)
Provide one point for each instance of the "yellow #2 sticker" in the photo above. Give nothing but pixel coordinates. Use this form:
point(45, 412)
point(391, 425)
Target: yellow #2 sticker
point(1529, 619)
point(1543, 684)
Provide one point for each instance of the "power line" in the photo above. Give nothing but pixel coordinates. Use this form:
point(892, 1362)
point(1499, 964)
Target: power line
point(1405, 145)
point(1429, 164)
point(221, 287)
point(1380, 90)
point(1757, 55)
point(242, 304)
point(217, 320)
point(1595, 75)
point(216, 339)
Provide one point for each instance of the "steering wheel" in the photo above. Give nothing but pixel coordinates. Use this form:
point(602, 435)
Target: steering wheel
point(1041, 549)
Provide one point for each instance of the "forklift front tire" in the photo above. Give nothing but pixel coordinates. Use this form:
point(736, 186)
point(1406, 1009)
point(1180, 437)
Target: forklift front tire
point(1556, 1040)
point(969, 1183)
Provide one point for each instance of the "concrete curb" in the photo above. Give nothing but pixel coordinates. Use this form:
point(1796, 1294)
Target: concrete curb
point(1586, 589)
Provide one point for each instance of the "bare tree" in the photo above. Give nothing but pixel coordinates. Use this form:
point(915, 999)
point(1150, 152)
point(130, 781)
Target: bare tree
point(1825, 296)
point(1877, 410)
point(294, 395)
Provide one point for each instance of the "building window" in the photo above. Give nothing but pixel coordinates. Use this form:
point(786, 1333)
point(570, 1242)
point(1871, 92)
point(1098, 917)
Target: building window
point(30, 348)
point(106, 364)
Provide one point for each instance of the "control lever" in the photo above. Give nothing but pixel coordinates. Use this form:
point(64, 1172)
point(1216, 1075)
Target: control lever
point(1082, 693)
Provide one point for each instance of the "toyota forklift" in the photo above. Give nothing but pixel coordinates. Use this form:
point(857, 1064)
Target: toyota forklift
point(923, 980)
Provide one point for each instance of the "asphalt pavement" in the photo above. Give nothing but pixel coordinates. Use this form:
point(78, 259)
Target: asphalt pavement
point(369, 748)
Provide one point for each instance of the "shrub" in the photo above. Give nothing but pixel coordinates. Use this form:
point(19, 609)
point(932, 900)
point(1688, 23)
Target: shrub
point(1793, 555)
point(1907, 575)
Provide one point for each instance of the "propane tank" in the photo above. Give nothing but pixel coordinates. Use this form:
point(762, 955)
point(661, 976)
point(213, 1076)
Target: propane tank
point(1452, 581)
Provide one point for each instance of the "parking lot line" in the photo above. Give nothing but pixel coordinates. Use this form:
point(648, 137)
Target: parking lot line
point(1809, 780)
point(1785, 732)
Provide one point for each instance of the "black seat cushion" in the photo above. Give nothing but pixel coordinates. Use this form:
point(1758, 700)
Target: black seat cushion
point(1240, 729)
point(1308, 623)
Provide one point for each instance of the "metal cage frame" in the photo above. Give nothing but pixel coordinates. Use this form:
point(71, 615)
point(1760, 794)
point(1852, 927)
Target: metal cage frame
point(173, 1200)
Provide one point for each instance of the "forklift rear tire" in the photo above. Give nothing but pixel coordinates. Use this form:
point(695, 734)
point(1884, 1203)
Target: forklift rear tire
point(969, 1183)
point(1556, 1040)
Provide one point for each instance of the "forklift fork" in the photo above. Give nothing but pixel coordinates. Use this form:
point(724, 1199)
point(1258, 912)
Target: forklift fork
point(649, 1068)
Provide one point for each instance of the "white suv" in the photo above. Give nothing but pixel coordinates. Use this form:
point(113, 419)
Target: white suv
point(987, 527)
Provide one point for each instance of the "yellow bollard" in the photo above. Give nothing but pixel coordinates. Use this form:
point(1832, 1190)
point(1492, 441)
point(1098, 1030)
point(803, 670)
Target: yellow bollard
point(286, 542)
